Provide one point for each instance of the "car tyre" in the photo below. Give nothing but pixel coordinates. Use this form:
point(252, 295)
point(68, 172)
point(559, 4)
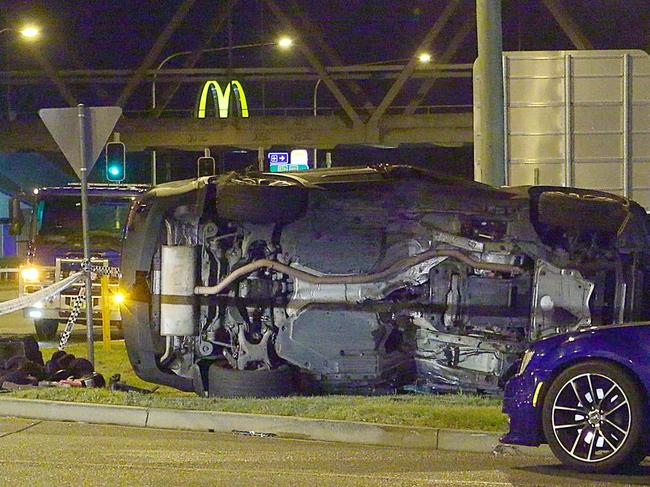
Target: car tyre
point(227, 382)
point(46, 329)
point(593, 417)
point(253, 203)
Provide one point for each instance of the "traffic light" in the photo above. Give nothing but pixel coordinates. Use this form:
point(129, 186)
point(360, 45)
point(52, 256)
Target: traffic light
point(115, 162)
point(206, 166)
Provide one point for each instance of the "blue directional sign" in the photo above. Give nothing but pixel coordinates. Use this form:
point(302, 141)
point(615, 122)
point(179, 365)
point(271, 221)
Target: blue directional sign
point(278, 161)
point(285, 161)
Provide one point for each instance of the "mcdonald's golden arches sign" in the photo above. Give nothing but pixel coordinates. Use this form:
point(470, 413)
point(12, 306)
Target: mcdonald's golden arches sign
point(220, 99)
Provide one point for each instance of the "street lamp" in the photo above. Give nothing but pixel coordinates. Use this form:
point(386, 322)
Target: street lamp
point(283, 42)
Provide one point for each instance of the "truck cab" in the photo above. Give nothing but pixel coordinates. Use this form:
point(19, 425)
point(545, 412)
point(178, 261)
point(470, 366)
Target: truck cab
point(55, 248)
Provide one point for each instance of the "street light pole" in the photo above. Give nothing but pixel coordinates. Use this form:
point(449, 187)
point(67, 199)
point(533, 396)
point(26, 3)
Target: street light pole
point(423, 58)
point(187, 53)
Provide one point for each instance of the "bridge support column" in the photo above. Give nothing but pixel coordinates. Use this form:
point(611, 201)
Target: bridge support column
point(490, 166)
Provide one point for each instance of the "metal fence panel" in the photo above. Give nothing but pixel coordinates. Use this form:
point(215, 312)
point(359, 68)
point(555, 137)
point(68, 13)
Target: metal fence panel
point(577, 118)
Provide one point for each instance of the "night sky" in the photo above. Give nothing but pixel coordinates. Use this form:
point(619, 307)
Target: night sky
point(113, 34)
point(118, 33)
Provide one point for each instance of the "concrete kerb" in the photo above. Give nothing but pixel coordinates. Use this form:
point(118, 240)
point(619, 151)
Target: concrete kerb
point(279, 426)
point(291, 427)
point(71, 411)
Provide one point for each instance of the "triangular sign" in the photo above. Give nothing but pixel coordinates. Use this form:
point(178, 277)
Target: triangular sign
point(63, 124)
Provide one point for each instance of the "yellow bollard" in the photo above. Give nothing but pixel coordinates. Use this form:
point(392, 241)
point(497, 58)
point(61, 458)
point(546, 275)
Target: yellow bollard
point(106, 314)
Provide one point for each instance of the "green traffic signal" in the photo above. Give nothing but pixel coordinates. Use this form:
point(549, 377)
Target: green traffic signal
point(115, 162)
point(115, 171)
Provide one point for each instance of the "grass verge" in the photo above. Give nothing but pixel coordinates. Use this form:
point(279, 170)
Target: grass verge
point(456, 411)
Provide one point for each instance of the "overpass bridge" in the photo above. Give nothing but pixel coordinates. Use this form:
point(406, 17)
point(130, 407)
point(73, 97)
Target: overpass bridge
point(323, 131)
point(158, 116)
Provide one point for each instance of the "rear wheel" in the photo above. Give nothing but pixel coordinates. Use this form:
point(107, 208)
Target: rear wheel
point(593, 417)
point(46, 329)
point(226, 382)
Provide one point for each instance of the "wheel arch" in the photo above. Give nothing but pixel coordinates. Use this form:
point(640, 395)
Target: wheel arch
point(578, 360)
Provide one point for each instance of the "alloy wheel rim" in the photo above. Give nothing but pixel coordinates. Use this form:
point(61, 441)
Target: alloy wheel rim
point(591, 417)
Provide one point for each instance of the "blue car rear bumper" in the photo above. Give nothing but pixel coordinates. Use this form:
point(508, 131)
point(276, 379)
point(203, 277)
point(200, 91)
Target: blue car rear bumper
point(525, 419)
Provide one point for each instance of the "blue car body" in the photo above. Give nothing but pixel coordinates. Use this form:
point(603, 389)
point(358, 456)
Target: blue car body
point(627, 345)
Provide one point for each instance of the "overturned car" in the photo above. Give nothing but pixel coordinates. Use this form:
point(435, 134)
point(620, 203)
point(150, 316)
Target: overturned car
point(367, 280)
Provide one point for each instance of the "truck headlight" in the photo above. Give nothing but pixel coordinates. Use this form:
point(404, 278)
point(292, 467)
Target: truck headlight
point(525, 360)
point(30, 274)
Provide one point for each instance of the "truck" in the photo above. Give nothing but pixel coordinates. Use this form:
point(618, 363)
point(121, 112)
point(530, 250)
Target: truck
point(55, 247)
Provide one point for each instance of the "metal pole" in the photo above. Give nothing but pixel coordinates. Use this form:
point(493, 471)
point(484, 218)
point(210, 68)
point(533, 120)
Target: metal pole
point(153, 168)
point(185, 53)
point(490, 165)
point(106, 314)
point(260, 159)
point(84, 143)
point(315, 108)
point(627, 88)
point(568, 123)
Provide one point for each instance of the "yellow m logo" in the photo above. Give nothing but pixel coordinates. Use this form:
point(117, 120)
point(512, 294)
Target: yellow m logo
point(221, 99)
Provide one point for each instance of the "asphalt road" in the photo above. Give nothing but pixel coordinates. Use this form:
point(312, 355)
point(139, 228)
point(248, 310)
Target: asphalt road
point(53, 453)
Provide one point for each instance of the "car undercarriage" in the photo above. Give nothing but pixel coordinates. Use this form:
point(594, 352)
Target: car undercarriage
point(368, 280)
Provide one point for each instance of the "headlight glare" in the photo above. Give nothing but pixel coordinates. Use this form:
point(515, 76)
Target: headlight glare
point(30, 274)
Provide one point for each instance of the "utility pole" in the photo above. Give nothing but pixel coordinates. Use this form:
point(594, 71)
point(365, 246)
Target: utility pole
point(490, 166)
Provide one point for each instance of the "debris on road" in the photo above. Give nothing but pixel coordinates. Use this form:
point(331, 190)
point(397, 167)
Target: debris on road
point(254, 433)
point(115, 384)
